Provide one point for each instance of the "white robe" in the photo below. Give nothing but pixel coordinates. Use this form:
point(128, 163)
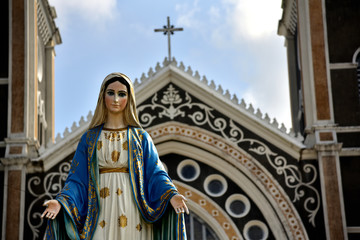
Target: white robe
point(119, 216)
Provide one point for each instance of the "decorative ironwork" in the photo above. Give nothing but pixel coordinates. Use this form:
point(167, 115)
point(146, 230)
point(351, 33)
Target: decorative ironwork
point(43, 190)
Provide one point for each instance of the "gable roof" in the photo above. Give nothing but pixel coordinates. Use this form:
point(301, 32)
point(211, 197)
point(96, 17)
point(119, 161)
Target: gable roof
point(191, 81)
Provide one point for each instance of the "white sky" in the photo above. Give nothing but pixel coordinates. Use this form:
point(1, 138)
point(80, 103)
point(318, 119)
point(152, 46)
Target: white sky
point(233, 42)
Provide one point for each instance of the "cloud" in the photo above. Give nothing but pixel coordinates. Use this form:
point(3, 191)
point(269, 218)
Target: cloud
point(249, 29)
point(93, 11)
point(268, 87)
point(254, 18)
point(240, 22)
point(142, 29)
point(270, 99)
point(214, 13)
point(187, 15)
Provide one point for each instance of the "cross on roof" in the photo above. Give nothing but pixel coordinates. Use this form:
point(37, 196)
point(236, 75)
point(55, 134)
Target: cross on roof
point(168, 30)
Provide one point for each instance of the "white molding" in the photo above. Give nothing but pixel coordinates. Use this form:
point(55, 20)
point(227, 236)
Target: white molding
point(306, 63)
point(50, 91)
point(4, 81)
point(30, 73)
point(353, 229)
point(335, 66)
point(27, 63)
point(309, 154)
point(347, 129)
point(327, 62)
point(350, 152)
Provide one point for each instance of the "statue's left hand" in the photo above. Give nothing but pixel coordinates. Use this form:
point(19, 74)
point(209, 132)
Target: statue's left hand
point(52, 209)
point(178, 203)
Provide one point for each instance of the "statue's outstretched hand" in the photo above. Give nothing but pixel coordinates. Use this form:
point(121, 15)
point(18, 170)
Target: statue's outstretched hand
point(52, 209)
point(178, 203)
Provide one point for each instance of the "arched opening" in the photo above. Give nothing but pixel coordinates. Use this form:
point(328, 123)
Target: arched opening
point(198, 229)
point(280, 215)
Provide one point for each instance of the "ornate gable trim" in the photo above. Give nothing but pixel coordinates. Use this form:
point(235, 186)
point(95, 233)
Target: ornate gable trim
point(171, 71)
point(176, 81)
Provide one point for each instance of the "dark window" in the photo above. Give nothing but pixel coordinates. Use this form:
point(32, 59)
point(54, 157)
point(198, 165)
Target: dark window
point(353, 236)
point(197, 229)
point(4, 111)
point(2, 155)
point(237, 207)
point(188, 171)
point(1, 194)
point(4, 40)
point(255, 233)
point(215, 186)
point(350, 169)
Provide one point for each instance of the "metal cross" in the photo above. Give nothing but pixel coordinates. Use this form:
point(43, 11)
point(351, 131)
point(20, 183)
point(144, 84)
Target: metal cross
point(169, 29)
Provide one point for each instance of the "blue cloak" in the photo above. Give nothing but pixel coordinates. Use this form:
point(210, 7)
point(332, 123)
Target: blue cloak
point(151, 186)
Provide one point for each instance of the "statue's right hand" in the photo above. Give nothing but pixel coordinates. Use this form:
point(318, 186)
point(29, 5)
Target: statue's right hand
point(52, 209)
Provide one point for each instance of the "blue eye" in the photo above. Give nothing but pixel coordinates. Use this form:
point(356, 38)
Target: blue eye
point(110, 93)
point(122, 94)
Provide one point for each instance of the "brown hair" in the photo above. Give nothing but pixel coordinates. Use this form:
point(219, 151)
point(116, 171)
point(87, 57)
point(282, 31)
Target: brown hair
point(130, 116)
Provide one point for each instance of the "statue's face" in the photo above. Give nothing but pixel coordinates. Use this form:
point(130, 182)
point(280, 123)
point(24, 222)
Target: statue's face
point(116, 97)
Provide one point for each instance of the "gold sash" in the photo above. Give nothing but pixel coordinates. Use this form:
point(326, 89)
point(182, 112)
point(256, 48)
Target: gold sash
point(111, 170)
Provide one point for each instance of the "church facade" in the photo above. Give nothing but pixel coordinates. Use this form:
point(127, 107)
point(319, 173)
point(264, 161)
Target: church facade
point(244, 175)
point(27, 52)
point(323, 46)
